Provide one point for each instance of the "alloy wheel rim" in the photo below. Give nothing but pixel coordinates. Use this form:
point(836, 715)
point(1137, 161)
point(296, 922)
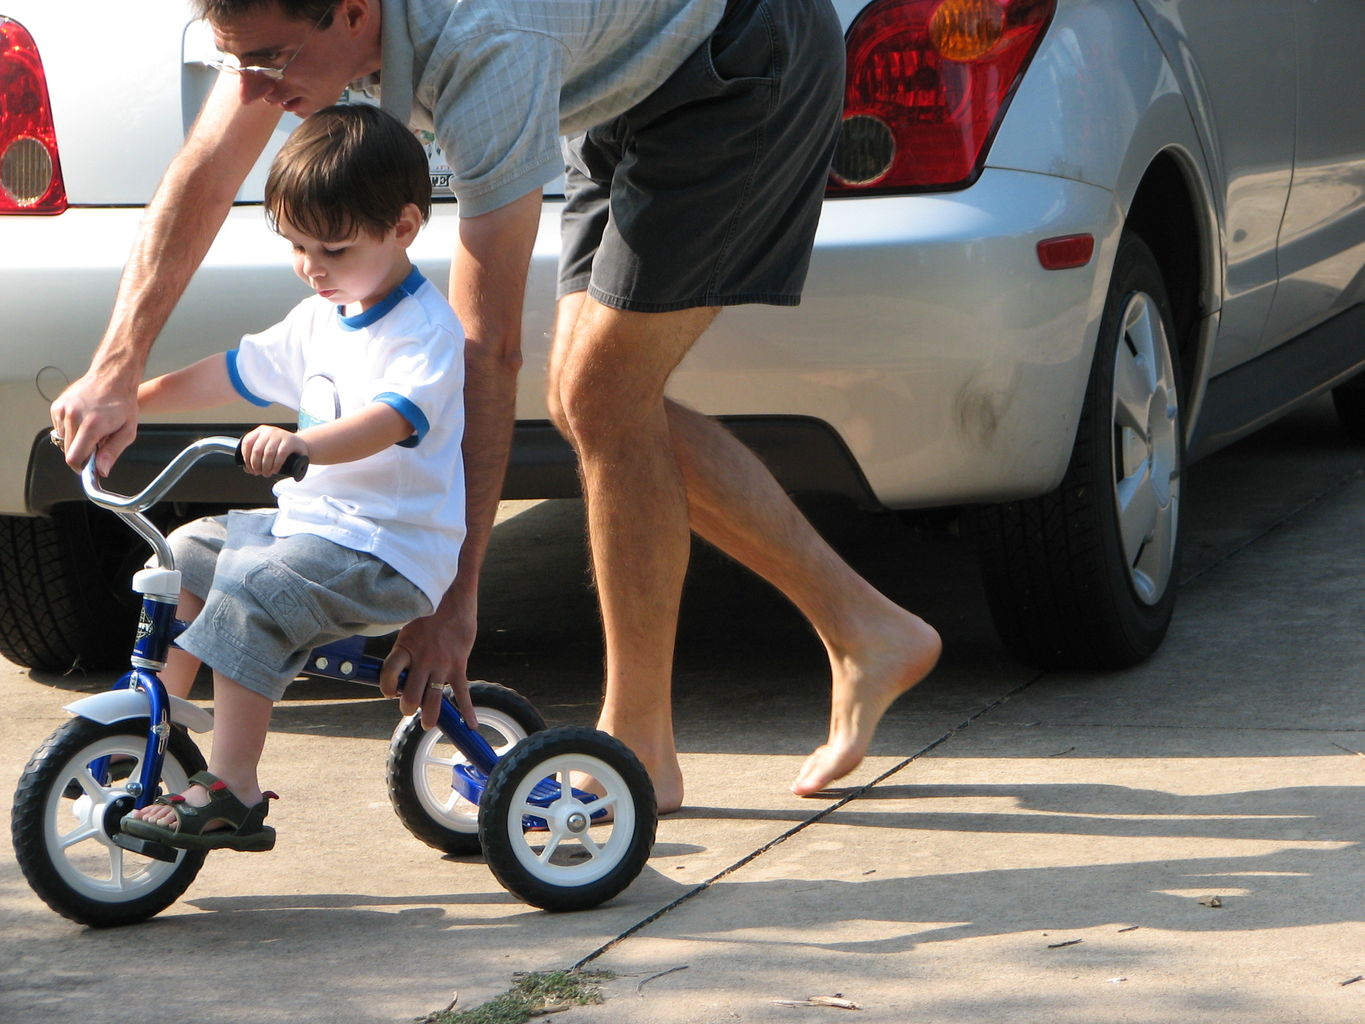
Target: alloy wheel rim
point(1146, 450)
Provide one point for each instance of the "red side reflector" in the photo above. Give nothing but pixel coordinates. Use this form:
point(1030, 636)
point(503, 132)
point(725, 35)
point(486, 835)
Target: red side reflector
point(1066, 252)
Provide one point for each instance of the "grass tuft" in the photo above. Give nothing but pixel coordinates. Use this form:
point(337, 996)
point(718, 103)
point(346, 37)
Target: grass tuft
point(531, 995)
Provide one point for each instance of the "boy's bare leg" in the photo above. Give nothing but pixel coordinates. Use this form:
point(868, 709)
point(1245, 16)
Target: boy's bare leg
point(877, 650)
point(182, 666)
point(241, 720)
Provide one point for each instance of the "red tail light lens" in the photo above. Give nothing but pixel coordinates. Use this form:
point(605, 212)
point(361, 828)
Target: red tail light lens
point(928, 81)
point(30, 173)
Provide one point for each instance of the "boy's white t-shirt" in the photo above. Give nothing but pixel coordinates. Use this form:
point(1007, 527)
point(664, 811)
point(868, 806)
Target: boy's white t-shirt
point(405, 504)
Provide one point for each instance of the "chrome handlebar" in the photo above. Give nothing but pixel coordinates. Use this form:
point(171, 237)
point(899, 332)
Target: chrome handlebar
point(165, 480)
point(129, 508)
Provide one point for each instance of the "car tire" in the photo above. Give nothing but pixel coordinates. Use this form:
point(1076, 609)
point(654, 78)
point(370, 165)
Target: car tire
point(1349, 400)
point(65, 597)
point(1084, 577)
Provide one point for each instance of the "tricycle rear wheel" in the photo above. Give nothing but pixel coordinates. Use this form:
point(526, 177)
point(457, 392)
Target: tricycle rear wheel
point(422, 762)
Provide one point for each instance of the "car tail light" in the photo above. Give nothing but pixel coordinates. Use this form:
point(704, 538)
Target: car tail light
point(928, 81)
point(30, 173)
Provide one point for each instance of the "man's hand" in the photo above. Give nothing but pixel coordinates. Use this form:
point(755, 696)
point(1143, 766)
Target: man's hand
point(434, 652)
point(265, 449)
point(96, 414)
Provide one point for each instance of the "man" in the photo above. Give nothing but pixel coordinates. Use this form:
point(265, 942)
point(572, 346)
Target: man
point(699, 137)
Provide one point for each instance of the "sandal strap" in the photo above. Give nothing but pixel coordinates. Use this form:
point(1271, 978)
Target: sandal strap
point(223, 806)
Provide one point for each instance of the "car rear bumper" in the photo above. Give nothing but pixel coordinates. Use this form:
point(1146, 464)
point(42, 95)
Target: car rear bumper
point(932, 362)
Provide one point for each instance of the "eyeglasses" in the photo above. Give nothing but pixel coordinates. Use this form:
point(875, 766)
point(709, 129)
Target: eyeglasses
point(232, 66)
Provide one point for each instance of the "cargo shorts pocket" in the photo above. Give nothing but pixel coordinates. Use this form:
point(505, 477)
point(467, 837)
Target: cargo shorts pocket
point(286, 598)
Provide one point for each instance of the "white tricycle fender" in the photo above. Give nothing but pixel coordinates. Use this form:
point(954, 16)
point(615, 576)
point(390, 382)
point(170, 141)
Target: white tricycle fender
point(120, 705)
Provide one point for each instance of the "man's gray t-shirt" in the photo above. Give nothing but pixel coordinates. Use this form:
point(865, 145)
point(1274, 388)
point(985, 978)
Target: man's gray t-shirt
point(499, 81)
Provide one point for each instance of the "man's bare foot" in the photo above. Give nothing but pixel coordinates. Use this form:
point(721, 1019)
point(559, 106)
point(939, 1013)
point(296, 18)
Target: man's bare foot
point(587, 784)
point(659, 757)
point(862, 691)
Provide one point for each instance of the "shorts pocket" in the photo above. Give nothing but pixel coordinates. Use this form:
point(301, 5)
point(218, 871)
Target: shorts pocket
point(746, 51)
point(286, 598)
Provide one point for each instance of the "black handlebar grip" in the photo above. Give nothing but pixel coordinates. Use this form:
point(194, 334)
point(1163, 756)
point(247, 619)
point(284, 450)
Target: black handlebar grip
point(296, 465)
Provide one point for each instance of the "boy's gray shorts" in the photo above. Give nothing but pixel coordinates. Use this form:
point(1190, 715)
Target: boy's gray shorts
point(708, 192)
point(269, 600)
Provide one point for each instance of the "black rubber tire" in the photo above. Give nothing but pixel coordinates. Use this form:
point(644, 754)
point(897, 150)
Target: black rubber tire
point(1056, 574)
point(44, 795)
point(451, 824)
point(64, 589)
point(1349, 401)
point(575, 875)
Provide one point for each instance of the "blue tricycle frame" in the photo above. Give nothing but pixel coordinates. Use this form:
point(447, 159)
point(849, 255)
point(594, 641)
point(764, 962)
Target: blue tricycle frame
point(553, 845)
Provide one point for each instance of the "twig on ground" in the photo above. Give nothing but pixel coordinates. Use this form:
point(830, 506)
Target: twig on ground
point(838, 1002)
point(646, 981)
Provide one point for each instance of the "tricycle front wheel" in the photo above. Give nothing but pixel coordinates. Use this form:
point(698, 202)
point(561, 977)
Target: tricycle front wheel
point(67, 808)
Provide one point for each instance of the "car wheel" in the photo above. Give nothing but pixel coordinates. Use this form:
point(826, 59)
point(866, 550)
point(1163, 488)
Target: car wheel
point(65, 597)
point(1084, 577)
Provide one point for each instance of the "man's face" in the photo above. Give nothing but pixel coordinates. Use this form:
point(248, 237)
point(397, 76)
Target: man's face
point(318, 58)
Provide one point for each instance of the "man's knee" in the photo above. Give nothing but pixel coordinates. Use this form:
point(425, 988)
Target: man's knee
point(610, 369)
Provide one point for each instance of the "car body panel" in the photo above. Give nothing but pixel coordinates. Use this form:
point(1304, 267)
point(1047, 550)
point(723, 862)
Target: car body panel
point(1322, 239)
point(948, 364)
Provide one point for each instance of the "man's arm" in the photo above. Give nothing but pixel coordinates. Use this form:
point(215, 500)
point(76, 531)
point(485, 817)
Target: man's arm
point(487, 291)
point(100, 409)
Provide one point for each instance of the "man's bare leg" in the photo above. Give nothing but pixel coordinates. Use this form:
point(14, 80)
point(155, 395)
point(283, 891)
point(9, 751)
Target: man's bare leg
point(876, 649)
point(608, 371)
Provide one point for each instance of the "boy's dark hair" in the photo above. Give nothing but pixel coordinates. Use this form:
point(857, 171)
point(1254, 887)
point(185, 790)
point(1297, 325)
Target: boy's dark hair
point(218, 11)
point(347, 170)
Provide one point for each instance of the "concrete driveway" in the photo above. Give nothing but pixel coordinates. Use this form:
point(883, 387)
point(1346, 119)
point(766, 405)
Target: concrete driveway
point(1021, 846)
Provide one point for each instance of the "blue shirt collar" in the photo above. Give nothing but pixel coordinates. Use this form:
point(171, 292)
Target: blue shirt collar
point(376, 312)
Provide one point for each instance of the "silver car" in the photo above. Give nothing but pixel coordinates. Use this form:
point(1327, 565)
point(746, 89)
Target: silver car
point(1069, 246)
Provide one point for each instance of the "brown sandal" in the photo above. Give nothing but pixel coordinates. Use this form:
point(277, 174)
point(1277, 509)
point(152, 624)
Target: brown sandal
point(224, 823)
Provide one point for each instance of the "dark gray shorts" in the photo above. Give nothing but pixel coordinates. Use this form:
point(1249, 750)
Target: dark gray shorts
point(708, 192)
point(269, 600)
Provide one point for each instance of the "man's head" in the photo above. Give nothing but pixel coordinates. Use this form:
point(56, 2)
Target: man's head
point(296, 54)
point(218, 11)
point(349, 190)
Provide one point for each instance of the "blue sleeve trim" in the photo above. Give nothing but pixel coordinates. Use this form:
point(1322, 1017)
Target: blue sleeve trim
point(405, 408)
point(235, 376)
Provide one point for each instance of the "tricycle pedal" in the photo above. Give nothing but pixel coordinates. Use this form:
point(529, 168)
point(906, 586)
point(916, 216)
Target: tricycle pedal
point(146, 847)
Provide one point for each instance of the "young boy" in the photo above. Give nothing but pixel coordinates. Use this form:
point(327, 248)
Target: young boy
point(373, 362)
